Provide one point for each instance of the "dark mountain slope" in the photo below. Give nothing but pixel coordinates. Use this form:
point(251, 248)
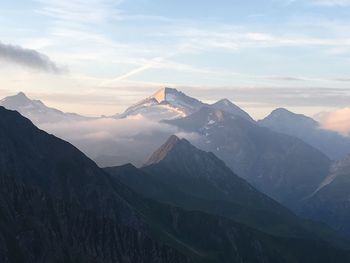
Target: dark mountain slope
point(68, 188)
point(182, 175)
point(210, 238)
point(37, 228)
point(71, 207)
point(202, 174)
point(56, 167)
point(331, 202)
point(218, 239)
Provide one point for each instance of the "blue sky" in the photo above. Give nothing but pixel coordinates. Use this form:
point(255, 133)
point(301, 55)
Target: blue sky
point(98, 56)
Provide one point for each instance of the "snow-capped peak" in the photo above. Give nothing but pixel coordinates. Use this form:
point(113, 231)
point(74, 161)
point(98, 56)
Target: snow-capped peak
point(18, 100)
point(228, 106)
point(36, 110)
point(177, 99)
point(166, 103)
point(161, 94)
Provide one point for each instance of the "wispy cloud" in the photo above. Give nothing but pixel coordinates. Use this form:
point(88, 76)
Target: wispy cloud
point(131, 139)
point(283, 78)
point(29, 58)
point(338, 120)
point(232, 38)
point(277, 96)
point(147, 65)
point(342, 79)
point(80, 11)
point(332, 2)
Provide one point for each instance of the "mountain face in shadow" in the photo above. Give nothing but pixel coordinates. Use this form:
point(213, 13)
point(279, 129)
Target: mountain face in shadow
point(181, 175)
point(202, 174)
point(56, 167)
point(330, 202)
point(56, 205)
point(283, 167)
point(334, 145)
point(35, 227)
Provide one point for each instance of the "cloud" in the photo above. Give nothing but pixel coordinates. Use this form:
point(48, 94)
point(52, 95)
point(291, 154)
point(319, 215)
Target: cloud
point(29, 58)
point(338, 120)
point(332, 2)
point(283, 78)
point(79, 11)
point(116, 141)
point(342, 79)
point(262, 96)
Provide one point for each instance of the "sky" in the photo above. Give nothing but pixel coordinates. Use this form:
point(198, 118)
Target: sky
point(97, 57)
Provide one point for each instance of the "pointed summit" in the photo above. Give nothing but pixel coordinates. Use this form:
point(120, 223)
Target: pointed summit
point(180, 164)
point(181, 155)
point(169, 103)
point(284, 115)
point(166, 103)
point(21, 94)
point(281, 111)
point(36, 110)
point(284, 121)
point(16, 101)
point(166, 149)
point(228, 106)
point(161, 95)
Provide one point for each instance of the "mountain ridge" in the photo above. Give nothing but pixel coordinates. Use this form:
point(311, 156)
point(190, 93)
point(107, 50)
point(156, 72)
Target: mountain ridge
point(37, 111)
point(167, 102)
point(170, 103)
point(196, 180)
point(270, 161)
point(146, 231)
point(281, 120)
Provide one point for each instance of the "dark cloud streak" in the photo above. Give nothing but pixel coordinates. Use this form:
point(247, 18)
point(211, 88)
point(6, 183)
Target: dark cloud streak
point(29, 58)
point(286, 97)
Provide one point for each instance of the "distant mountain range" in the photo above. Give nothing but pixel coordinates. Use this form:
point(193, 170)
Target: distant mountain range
point(284, 167)
point(56, 205)
point(168, 103)
point(37, 111)
point(334, 145)
point(286, 155)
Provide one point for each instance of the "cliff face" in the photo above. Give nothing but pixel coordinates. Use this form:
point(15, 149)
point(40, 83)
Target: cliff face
point(56, 205)
point(35, 227)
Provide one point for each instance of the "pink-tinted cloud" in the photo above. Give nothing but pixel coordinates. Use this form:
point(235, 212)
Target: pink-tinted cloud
point(338, 120)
